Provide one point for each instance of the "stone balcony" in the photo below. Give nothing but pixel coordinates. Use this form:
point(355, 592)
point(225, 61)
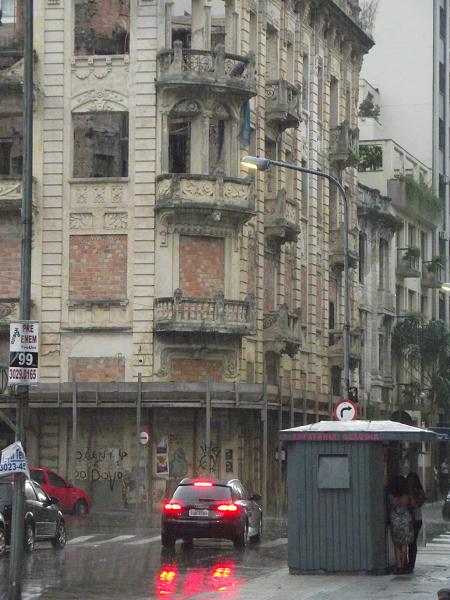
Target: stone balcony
point(344, 143)
point(282, 104)
point(336, 347)
point(11, 194)
point(407, 263)
point(188, 67)
point(432, 274)
point(337, 248)
point(180, 314)
point(227, 199)
point(282, 220)
point(282, 331)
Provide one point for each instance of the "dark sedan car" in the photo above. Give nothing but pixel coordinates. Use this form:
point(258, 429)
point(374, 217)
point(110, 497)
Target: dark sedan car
point(43, 519)
point(211, 509)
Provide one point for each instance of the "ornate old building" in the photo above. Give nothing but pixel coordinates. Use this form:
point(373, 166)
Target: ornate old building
point(175, 290)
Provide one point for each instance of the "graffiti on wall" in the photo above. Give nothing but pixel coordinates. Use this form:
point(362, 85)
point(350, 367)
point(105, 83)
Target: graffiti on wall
point(102, 464)
point(209, 457)
point(178, 463)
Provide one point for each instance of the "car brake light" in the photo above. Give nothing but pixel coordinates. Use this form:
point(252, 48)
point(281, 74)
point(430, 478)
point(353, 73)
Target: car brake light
point(227, 507)
point(172, 506)
point(203, 484)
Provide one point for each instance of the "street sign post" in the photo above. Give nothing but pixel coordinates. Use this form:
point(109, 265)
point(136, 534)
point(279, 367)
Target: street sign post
point(23, 353)
point(345, 410)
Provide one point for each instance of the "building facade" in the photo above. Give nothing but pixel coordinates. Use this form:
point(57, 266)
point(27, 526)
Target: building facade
point(175, 291)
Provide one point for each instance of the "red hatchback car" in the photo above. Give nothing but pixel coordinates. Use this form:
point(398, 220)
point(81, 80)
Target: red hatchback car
point(70, 498)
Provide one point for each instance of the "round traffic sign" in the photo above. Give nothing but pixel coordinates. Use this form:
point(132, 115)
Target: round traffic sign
point(345, 410)
point(144, 436)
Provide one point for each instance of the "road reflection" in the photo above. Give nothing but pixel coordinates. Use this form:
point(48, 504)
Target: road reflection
point(174, 581)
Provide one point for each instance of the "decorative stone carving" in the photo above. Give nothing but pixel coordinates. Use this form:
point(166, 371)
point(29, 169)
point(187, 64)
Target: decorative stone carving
point(93, 194)
point(227, 355)
point(282, 331)
point(191, 188)
point(11, 189)
point(81, 220)
point(99, 195)
point(117, 194)
point(99, 100)
point(81, 195)
point(98, 66)
point(163, 187)
point(115, 220)
point(6, 308)
point(186, 107)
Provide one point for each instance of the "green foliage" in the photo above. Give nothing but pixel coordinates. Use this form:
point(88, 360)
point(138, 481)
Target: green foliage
point(425, 346)
point(370, 157)
point(418, 191)
point(368, 108)
point(412, 252)
point(435, 264)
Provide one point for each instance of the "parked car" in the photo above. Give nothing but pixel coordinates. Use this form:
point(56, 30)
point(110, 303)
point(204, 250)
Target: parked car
point(43, 519)
point(446, 508)
point(70, 498)
point(2, 535)
point(211, 508)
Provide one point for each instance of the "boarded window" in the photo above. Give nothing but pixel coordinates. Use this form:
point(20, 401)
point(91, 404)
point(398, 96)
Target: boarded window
point(202, 265)
point(100, 144)
point(334, 472)
point(102, 27)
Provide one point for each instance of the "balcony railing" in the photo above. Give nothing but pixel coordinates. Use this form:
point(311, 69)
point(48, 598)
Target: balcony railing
point(207, 67)
point(344, 143)
point(282, 218)
point(336, 346)
point(205, 315)
point(282, 330)
point(337, 248)
point(232, 196)
point(282, 103)
point(432, 274)
point(407, 262)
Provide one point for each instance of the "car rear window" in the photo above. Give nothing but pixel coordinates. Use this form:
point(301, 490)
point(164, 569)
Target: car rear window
point(190, 493)
point(37, 475)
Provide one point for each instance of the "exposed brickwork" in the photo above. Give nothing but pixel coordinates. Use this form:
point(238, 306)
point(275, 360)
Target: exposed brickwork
point(196, 370)
point(98, 267)
point(10, 251)
point(97, 370)
point(202, 265)
point(270, 271)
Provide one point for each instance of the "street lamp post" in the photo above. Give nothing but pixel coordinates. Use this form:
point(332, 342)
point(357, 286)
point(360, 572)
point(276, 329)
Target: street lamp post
point(262, 164)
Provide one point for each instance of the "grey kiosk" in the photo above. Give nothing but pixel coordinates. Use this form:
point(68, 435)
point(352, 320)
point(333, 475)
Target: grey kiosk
point(337, 473)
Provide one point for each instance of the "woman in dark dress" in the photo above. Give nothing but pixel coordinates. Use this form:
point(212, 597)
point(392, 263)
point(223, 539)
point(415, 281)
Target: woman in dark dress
point(417, 498)
point(400, 522)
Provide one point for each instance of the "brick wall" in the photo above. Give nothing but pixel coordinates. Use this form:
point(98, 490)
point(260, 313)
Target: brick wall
point(10, 252)
point(98, 267)
point(196, 370)
point(202, 268)
point(97, 370)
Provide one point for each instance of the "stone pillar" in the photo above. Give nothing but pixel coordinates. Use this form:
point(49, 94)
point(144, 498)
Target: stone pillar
point(198, 142)
point(207, 26)
point(198, 24)
point(164, 122)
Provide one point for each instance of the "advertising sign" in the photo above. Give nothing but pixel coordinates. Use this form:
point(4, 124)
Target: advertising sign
point(23, 352)
point(162, 457)
point(13, 460)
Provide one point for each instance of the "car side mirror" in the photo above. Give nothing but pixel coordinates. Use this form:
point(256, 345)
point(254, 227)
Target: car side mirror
point(256, 497)
point(52, 501)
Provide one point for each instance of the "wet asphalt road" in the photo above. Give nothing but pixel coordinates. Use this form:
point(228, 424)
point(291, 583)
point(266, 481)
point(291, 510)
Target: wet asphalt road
point(112, 563)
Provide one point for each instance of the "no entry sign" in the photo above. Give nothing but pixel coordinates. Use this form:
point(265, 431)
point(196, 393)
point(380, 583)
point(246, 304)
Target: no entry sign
point(345, 410)
point(23, 352)
point(144, 436)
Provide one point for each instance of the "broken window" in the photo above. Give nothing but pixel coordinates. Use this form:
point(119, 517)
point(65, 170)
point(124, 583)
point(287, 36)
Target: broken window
point(100, 144)
point(179, 146)
point(11, 32)
point(11, 145)
point(102, 27)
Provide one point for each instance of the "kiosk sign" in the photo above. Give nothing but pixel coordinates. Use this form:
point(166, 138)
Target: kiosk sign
point(23, 352)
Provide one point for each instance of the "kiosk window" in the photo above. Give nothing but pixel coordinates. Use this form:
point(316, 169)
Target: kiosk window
point(334, 472)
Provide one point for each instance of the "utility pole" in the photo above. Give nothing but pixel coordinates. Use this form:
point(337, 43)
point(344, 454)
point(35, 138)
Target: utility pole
point(17, 527)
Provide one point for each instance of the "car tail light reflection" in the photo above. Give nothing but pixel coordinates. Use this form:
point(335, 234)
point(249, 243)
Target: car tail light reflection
point(172, 506)
point(227, 507)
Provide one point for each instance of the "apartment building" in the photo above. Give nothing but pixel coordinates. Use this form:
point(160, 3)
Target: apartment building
point(176, 291)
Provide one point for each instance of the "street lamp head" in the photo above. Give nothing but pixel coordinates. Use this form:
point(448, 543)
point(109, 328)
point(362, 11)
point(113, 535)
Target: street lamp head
point(445, 287)
point(255, 162)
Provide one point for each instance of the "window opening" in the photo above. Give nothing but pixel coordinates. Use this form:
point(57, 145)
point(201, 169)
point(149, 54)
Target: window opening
point(179, 146)
point(11, 145)
point(100, 144)
point(102, 27)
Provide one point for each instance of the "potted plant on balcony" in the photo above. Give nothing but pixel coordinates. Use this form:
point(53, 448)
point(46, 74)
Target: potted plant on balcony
point(411, 253)
point(435, 264)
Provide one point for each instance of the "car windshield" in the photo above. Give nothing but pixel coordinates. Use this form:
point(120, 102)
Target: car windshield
point(189, 493)
point(5, 495)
